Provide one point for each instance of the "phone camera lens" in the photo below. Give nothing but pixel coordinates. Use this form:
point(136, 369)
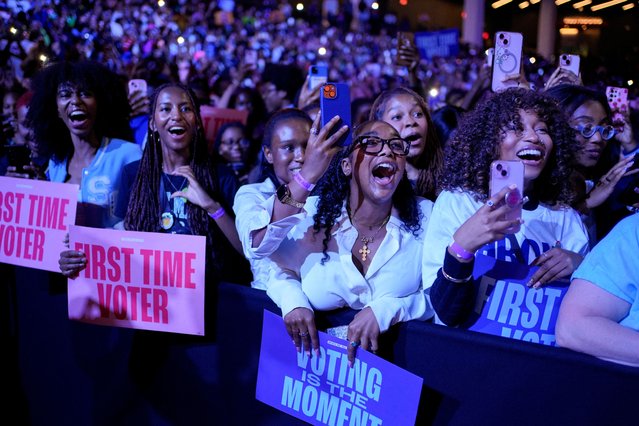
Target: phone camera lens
point(499, 167)
point(505, 41)
point(504, 173)
point(501, 36)
point(567, 61)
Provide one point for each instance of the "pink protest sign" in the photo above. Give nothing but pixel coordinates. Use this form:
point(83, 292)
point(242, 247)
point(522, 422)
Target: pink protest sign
point(34, 219)
point(142, 280)
point(213, 118)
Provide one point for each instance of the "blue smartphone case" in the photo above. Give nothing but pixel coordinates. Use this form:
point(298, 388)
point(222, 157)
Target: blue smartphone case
point(335, 99)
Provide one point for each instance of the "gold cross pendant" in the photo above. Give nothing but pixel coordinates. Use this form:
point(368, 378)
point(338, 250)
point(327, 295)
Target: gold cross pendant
point(364, 251)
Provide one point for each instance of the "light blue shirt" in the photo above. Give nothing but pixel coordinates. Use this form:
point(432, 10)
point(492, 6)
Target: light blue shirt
point(613, 266)
point(100, 181)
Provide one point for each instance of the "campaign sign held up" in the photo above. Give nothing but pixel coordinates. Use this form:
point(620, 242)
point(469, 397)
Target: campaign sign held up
point(34, 220)
point(142, 280)
point(506, 306)
point(324, 390)
point(444, 43)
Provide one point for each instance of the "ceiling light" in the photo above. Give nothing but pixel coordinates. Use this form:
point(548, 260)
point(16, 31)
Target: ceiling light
point(606, 4)
point(581, 4)
point(500, 3)
point(568, 31)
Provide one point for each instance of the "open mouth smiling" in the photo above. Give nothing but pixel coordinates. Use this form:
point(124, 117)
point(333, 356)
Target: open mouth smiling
point(177, 130)
point(384, 173)
point(531, 154)
point(78, 116)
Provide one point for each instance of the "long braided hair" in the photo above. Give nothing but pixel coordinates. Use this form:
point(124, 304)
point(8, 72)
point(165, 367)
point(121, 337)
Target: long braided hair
point(144, 205)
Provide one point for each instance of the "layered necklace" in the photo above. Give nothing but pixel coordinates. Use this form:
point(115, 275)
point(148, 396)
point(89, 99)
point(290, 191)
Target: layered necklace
point(365, 251)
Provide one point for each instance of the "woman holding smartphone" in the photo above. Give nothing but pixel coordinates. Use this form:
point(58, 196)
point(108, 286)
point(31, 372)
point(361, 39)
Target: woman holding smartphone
point(599, 168)
point(297, 152)
point(519, 125)
point(362, 249)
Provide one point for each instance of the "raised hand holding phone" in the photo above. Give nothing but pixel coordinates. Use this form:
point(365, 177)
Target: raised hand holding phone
point(570, 62)
point(317, 75)
point(617, 98)
point(507, 60)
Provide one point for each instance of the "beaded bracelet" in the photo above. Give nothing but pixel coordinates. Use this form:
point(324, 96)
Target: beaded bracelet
point(460, 252)
point(218, 213)
point(303, 182)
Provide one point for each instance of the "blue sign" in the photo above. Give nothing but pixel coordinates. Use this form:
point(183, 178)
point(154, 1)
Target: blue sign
point(324, 390)
point(442, 43)
point(506, 306)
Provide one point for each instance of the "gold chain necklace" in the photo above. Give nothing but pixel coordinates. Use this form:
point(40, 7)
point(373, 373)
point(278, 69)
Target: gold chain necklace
point(365, 251)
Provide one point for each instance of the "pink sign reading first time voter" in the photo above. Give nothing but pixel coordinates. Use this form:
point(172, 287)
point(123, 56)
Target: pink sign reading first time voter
point(34, 220)
point(142, 280)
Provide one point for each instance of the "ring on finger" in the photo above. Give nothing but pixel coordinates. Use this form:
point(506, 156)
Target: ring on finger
point(355, 343)
point(490, 203)
point(314, 131)
point(303, 334)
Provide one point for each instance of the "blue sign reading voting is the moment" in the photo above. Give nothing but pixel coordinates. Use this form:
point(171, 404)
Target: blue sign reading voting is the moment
point(506, 306)
point(324, 390)
point(442, 43)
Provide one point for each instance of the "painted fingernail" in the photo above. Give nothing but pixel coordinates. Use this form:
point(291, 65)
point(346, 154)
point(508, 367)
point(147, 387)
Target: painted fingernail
point(537, 285)
point(350, 364)
point(529, 283)
point(317, 352)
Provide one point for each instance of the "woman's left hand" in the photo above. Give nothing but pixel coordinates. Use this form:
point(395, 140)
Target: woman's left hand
point(194, 193)
point(363, 331)
point(607, 182)
point(554, 264)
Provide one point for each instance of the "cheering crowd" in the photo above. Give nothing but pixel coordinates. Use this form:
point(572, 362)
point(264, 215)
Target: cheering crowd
point(389, 225)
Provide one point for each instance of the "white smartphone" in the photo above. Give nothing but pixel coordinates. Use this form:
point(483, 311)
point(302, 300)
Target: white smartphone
point(505, 173)
point(507, 61)
point(138, 84)
point(569, 62)
point(317, 75)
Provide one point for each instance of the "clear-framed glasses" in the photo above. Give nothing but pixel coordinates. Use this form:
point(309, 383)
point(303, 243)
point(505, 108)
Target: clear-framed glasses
point(588, 131)
point(373, 145)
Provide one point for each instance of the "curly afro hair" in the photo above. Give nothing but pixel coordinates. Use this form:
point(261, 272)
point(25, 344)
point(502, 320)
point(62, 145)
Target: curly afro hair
point(110, 93)
point(477, 140)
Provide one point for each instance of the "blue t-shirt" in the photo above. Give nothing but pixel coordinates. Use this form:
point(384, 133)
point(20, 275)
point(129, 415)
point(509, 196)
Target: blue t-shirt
point(100, 181)
point(612, 265)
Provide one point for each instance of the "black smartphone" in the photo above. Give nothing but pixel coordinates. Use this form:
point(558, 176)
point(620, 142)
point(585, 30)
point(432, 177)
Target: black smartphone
point(18, 156)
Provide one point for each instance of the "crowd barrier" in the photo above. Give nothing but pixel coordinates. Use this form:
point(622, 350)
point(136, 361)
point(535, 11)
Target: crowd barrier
point(69, 373)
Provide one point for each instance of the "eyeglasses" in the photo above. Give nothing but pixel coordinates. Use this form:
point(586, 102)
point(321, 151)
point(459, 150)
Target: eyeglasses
point(242, 142)
point(373, 145)
point(588, 131)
